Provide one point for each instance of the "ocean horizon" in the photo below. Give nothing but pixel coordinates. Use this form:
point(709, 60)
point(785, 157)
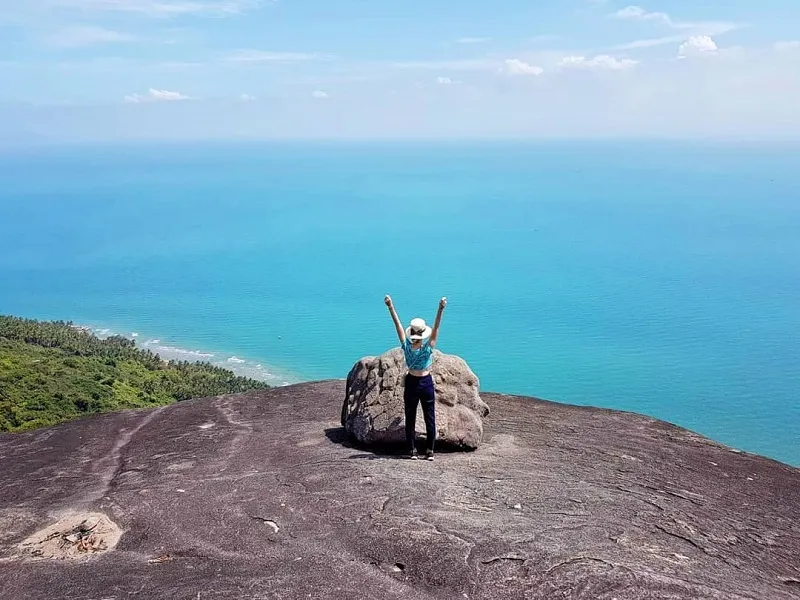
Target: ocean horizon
point(655, 277)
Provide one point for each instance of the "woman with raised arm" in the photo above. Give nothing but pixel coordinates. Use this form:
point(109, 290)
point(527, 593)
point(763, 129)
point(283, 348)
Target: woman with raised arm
point(418, 341)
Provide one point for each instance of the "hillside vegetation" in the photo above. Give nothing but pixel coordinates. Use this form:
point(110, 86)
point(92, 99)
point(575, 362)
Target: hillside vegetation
point(53, 371)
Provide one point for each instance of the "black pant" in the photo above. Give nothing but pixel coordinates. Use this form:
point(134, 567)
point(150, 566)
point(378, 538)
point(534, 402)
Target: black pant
point(420, 389)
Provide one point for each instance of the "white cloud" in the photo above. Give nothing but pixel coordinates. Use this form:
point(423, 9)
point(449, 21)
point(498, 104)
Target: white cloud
point(320, 94)
point(697, 45)
point(166, 95)
point(161, 8)
point(444, 81)
point(637, 13)
point(473, 40)
point(247, 98)
point(751, 94)
point(515, 66)
point(155, 96)
point(710, 28)
point(77, 36)
point(601, 62)
point(258, 56)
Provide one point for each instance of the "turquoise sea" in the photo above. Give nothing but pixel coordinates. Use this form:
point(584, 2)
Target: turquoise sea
point(661, 278)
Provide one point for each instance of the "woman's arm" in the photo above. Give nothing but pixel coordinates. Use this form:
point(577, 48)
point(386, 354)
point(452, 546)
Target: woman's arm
point(397, 324)
point(435, 332)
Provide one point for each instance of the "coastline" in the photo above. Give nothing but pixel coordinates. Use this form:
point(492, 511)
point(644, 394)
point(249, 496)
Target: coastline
point(173, 350)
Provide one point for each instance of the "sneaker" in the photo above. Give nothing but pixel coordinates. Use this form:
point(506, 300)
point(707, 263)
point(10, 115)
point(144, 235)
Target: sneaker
point(413, 455)
point(429, 455)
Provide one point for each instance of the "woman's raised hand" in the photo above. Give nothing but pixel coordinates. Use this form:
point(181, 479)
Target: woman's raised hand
point(388, 301)
point(442, 303)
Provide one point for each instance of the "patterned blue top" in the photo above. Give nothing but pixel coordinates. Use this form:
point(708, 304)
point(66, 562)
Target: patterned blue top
point(420, 359)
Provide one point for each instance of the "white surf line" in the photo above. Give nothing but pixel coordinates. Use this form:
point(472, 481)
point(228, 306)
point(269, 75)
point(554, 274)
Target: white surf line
point(240, 366)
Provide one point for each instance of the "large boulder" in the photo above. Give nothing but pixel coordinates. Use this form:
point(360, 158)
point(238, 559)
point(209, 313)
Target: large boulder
point(373, 406)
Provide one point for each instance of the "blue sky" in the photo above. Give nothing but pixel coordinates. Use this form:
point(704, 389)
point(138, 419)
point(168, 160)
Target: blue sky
point(83, 70)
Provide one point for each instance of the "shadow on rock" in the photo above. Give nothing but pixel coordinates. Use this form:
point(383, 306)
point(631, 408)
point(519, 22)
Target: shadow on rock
point(390, 450)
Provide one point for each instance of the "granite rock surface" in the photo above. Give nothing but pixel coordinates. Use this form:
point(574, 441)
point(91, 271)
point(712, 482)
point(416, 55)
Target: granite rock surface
point(262, 496)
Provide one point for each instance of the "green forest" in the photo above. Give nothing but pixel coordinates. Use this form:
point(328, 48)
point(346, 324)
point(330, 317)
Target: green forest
point(54, 371)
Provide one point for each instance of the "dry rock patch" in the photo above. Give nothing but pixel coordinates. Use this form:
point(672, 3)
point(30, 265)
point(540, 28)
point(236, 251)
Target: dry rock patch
point(74, 536)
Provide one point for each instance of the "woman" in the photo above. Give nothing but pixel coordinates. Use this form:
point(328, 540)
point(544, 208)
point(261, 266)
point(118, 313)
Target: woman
point(418, 341)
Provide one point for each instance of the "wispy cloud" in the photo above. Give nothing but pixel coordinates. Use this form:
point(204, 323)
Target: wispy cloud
point(651, 42)
point(515, 66)
point(320, 94)
point(259, 56)
point(473, 40)
point(712, 29)
point(115, 65)
point(247, 98)
point(637, 13)
point(448, 65)
point(154, 95)
point(161, 8)
point(601, 62)
point(73, 37)
point(446, 81)
point(174, 65)
point(688, 28)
